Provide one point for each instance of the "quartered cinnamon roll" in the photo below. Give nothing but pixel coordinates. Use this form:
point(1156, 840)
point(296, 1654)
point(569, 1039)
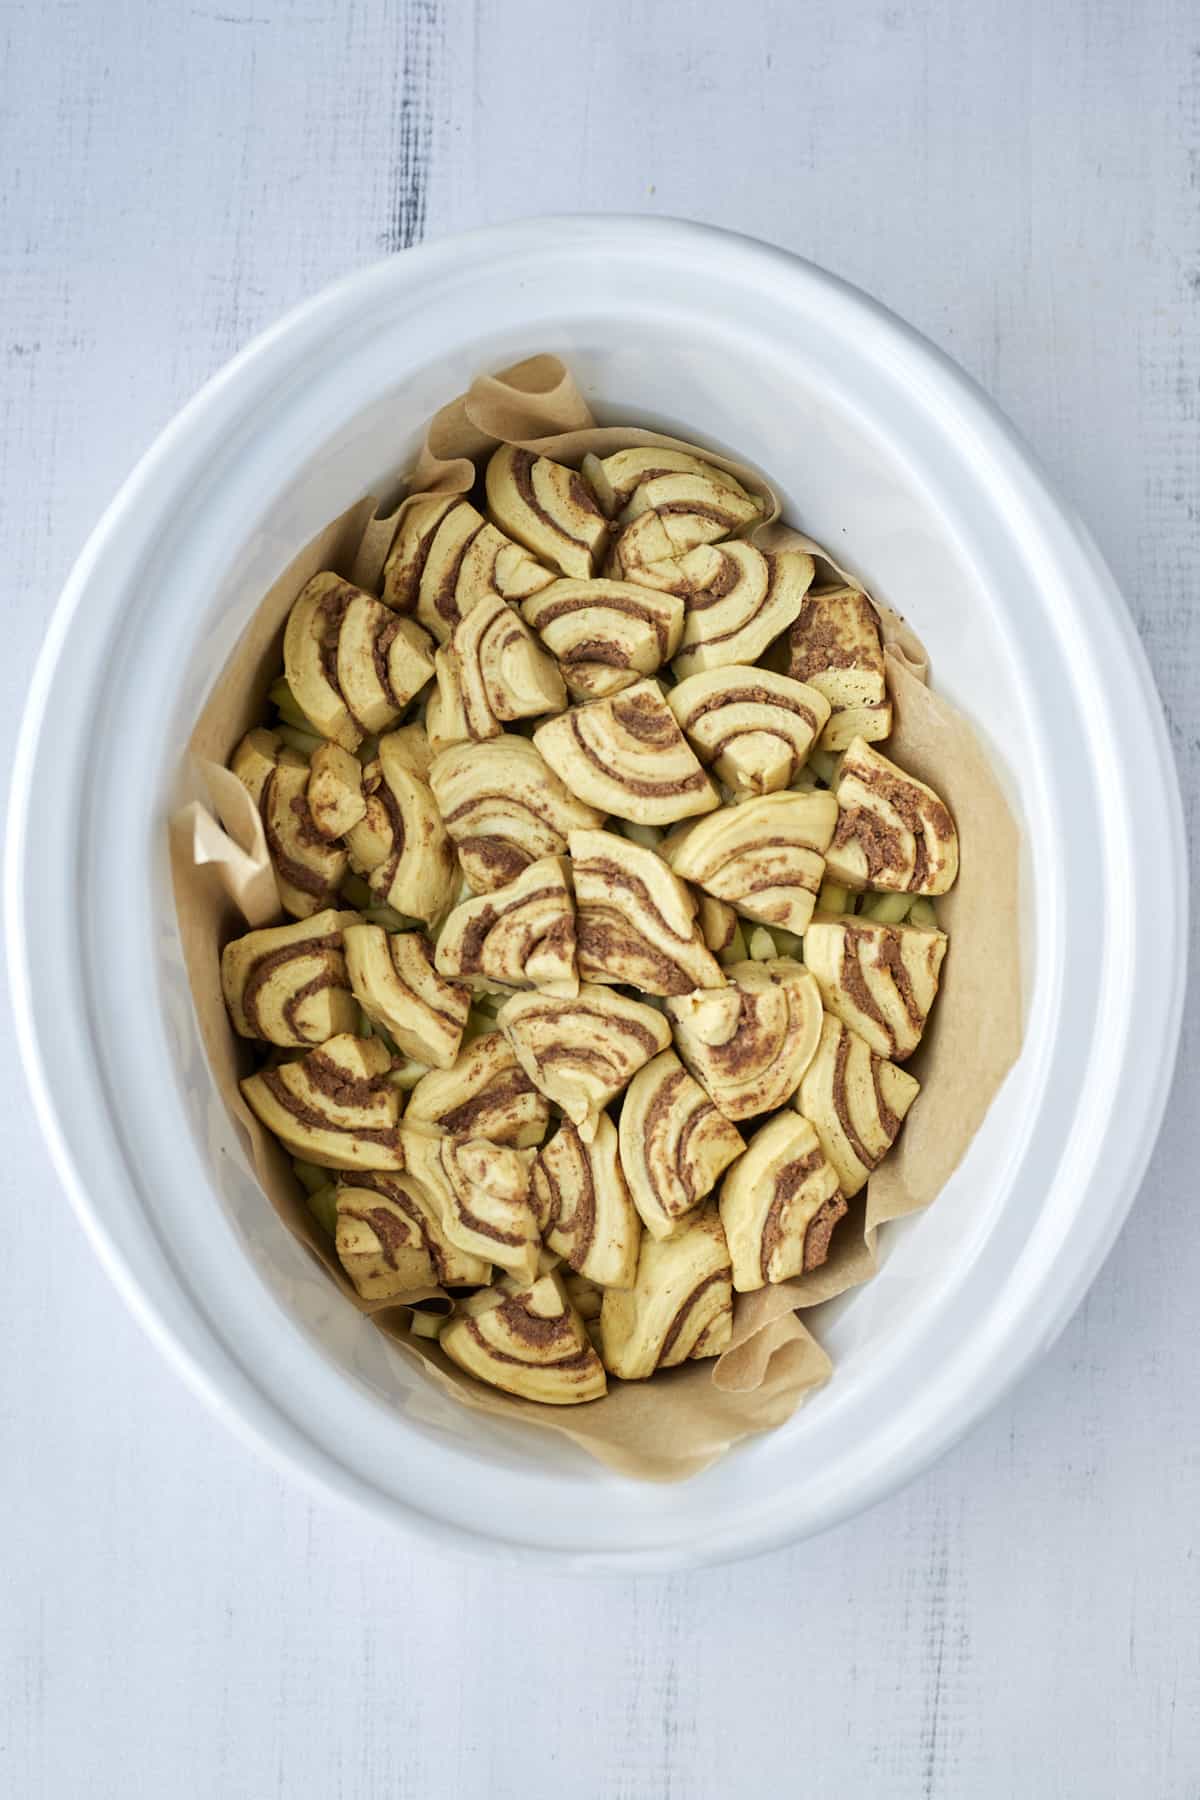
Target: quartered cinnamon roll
point(308, 869)
point(492, 671)
point(410, 745)
point(504, 807)
point(352, 665)
point(605, 634)
point(334, 1107)
point(518, 936)
point(680, 1306)
point(528, 1341)
point(335, 798)
point(835, 647)
point(482, 1192)
point(893, 833)
point(737, 599)
point(764, 856)
point(487, 1094)
point(255, 759)
point(674, 1142)
point(446, 557)
point(878, 979)
point(401, 845)
point(626, 755)
point(718, 923)
point(779, 1204)
point(749, 1043)
point(755, 727)
point(583, 1204)
point(548, 508)
point(397, 985)
point(288, 985)
point(580, 1053)
point(636, 921)
point(391, 1242)
point(855, 1100)
point(666, 502)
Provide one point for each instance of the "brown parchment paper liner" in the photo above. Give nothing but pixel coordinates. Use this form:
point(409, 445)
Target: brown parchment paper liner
point(684, 1419)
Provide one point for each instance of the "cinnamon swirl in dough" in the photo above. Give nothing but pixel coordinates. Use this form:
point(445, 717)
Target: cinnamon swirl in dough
point(893, 833)
point(878, 979)
point(779, 1204)
point(352, 665)
point(674, 1142)
point(765, 856)
point(548, 508)
point(855, 1100)
point(530, 1341)
point(627, 756)
point(447, 557)
point(503, 807)
point(581, 1053)
point(680, 1305)
point(636, 921)
point(605, 634)
point(749, 1043)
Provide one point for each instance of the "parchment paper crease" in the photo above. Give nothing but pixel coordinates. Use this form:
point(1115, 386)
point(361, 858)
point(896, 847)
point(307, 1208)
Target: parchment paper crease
point(684, 1419)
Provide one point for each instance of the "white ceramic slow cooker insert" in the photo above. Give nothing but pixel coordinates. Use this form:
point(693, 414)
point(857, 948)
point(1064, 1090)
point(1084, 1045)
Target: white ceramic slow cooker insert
point(883, 451)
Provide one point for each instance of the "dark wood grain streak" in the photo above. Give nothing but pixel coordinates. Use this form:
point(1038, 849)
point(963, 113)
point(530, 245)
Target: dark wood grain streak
point(415, 76)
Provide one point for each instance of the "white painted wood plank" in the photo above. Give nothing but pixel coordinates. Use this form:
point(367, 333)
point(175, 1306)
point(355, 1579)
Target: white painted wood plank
point(1021, 182)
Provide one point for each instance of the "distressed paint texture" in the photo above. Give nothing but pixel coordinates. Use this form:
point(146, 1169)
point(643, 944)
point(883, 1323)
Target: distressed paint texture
point(1023, 183)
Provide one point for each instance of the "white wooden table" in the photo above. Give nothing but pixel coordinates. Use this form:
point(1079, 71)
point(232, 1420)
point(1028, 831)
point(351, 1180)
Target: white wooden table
point(1022, 182)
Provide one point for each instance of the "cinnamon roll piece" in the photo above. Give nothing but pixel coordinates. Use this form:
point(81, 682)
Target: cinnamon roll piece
point(614, 479)
point(749, 1043)
point(835, 647)
point(585, 1297)
point(446, 557)
point(487, 1094)
point(636, 921)
point(398, 987)
point(288, 984)
point(391, 1242)
point(627, 756)
point(352, 665)
point(410, 745)
point(893, 833)
point(779, 1204)
point(334, 795)
point(580, 1053)
point(667, 502)
point(680, 1306)
point(547, 507)
point(527, 1341)
point(674, 1142)
point(881, 980)
point(254, 760)
point(492, 670)
point(737, 599)
point(718, 923)
point(765, 856)
point(856, 1102)
point(334, 1107)
point(605, 634)
point(583, 1204)
point(482, 1193)
point(401, 845)
point(755, 727)
point(504, 807)
point(518, 936)
point(308, 869)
